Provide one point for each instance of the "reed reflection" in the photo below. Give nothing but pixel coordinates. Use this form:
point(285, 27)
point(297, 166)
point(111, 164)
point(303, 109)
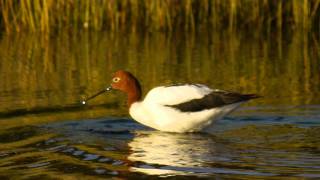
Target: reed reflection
point(39, 73)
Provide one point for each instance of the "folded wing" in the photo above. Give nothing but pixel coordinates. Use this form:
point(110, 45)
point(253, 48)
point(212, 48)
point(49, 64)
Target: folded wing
point(212, 100)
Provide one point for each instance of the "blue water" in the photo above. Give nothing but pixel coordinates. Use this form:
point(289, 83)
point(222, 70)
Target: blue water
point(251, 143)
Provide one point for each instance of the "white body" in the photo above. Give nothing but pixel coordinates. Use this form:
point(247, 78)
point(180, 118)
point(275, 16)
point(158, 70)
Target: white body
point(153, 112)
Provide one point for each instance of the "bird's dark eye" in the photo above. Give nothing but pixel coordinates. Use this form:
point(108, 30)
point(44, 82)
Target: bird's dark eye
point(116, 79)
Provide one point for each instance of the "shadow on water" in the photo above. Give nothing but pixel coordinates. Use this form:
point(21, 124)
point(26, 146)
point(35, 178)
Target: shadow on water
point(45, 133)
point(54, 109)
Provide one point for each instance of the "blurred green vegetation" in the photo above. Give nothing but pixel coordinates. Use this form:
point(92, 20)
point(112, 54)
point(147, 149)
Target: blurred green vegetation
point(168, 15)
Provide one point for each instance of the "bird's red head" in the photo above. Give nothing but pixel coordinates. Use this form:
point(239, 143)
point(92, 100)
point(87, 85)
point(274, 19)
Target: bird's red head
point(126, 82)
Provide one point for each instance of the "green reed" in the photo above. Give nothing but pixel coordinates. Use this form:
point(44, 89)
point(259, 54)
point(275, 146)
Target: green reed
point(167, 15)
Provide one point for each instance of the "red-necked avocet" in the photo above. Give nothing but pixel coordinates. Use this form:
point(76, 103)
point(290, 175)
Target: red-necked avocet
point(176, 108)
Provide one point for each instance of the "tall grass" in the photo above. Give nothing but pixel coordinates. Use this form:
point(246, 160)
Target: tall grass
point(167, 15)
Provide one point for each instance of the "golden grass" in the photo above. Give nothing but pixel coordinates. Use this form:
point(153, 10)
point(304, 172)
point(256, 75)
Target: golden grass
point(149, 15)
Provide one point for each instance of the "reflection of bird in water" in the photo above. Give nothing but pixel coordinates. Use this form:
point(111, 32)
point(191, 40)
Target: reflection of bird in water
point(166, 153)
point(176, 108)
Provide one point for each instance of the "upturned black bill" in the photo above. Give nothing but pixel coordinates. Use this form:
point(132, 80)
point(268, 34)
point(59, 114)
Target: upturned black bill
point(95, 95)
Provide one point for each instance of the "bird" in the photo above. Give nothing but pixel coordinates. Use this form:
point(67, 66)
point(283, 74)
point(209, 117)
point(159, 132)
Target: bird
point(178, 108)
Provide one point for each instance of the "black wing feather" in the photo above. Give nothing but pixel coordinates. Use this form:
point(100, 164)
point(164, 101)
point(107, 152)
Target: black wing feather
point(212, 100)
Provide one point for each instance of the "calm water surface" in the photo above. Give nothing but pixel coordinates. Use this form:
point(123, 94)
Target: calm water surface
point(45, 132)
